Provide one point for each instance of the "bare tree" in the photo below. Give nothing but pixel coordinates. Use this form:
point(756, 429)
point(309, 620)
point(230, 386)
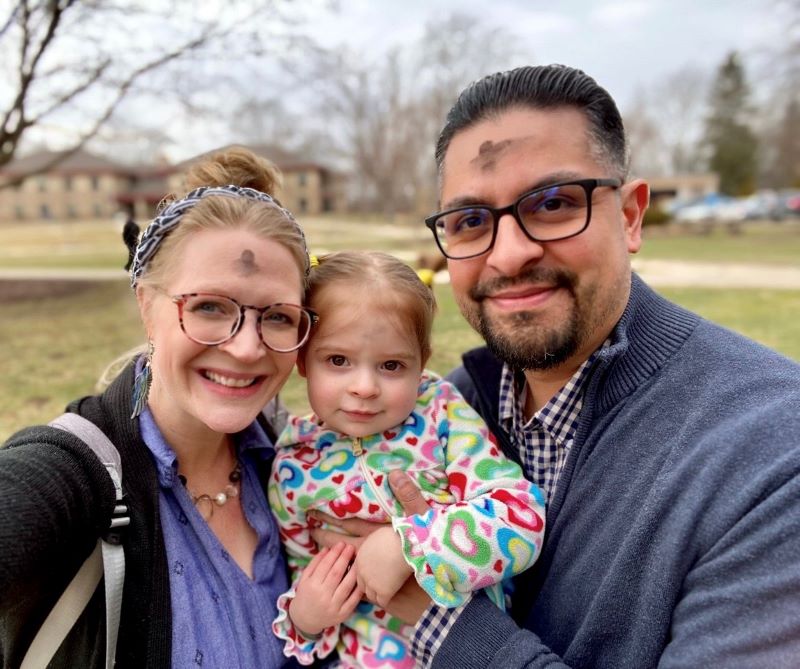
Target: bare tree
point(369, 113)
point(779, 117)
point(71, 63)
point(266, 121)
point(784, 61)
point(382, 115)
point(452, 53)
point(644, 138)
point(665, 123)
point(783, 170)
point(680, 101)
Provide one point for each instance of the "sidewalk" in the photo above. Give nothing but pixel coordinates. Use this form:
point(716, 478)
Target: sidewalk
point(676, 273)
point(26, 273)
point(655, 272)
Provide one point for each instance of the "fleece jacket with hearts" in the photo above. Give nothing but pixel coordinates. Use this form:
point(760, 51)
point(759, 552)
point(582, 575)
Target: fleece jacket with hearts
point(485, 522)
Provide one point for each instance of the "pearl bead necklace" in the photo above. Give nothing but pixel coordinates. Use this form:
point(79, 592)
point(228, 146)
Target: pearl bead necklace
point(206, 503)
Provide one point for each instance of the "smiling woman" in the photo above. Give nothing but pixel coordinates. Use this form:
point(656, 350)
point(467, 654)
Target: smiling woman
point(186, 418)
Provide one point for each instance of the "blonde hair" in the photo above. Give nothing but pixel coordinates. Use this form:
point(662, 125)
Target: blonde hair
point(387, 280)
point(236, 166)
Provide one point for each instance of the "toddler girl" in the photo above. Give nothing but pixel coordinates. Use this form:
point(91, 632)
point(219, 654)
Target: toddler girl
point(375, 410)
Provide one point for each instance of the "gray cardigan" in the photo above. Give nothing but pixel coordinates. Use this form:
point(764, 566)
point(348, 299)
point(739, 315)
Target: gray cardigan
point(673, 539)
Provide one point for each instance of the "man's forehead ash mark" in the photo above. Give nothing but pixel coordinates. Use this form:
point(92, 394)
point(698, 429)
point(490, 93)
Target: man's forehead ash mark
point(246, 264)
point(489, 151)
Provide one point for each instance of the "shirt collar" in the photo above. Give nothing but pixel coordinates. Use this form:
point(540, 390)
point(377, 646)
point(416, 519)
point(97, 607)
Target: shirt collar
point(253, 441)
point(558, 415)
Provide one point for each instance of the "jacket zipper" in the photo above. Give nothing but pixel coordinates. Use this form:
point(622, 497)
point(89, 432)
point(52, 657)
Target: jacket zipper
point(358, 451)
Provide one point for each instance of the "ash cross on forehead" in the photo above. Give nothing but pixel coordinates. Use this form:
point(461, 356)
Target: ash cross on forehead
point(489, 152)
point(246, 264)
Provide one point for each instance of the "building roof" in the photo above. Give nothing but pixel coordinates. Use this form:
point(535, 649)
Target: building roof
point(286, 161)
point(706, 179)
point(64, 163)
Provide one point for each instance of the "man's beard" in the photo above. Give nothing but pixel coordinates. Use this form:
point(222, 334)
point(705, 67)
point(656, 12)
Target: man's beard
point(524, 340)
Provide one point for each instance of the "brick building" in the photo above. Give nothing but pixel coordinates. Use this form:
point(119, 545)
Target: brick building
point(84, 187)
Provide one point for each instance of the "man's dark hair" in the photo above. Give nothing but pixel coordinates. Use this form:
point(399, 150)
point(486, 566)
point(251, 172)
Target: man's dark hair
point(541, 87)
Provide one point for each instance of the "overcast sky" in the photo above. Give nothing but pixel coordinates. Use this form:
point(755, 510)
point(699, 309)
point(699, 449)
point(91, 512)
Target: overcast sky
point(621, 43)
point(626, 45)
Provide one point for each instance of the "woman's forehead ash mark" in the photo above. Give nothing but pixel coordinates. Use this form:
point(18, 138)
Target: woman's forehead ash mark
point(489, 152)
point(246, 264)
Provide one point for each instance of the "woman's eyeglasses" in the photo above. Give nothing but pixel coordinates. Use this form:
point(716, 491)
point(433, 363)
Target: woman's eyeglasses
point(212, 319)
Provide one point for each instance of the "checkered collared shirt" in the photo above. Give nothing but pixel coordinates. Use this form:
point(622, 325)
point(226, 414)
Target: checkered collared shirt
point(543, 442)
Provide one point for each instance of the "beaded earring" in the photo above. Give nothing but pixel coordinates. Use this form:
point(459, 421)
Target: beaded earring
point(141, 385)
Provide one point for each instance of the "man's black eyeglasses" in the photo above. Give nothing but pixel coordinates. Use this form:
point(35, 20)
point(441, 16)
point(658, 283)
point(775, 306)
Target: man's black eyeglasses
point(546, 214)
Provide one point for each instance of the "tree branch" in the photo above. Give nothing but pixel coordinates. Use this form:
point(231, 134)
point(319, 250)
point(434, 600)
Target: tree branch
point(14, 122)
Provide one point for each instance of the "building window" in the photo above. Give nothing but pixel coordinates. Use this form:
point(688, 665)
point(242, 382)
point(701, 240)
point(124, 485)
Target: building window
point(67, 183)
point(98, 211)
point(44, 211)
point(42, 183)
point(301, 179)
point(95, 183)
point(19, 213)
point(71, 213)
point(302, 204)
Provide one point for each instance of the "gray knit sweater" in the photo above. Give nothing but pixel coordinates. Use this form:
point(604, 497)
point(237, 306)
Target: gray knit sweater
point(673, 539)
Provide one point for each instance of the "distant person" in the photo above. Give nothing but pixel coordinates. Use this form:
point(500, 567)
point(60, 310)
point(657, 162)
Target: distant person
point(219, 277)
point(668, 447)
point(377, 409)
point(130, 235)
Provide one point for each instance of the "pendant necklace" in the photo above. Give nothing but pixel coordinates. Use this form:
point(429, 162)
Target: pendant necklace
point(206, 503)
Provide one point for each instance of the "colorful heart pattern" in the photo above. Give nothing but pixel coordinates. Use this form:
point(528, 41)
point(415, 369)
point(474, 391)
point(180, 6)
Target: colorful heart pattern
point(485, 521)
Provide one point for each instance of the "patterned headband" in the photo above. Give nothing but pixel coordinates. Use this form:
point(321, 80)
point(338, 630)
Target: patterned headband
point(168, 219)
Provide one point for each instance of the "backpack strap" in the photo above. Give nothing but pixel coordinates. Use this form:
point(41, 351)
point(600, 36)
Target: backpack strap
point(108, 557)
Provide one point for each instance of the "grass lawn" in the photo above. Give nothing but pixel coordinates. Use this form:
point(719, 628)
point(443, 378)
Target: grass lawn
point(758, 243)
point(768, 316)
point(54, 349)
point(99, 245)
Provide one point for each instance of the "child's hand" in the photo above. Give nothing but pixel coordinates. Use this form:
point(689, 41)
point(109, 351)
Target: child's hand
point(381, 568)
point(327, 592)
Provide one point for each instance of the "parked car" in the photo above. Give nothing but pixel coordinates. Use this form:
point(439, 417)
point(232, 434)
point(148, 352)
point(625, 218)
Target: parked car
point(705, 209)
point(763, 205)
point(718, 208)
point(789, 204)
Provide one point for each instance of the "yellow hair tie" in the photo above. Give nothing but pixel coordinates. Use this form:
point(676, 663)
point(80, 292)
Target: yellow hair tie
point(426, 276)
point(313, 261)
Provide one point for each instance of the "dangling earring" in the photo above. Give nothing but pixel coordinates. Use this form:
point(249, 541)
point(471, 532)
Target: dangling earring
point(141, 385)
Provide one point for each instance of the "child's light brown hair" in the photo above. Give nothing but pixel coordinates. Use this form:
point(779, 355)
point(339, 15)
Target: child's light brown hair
point(382, 278)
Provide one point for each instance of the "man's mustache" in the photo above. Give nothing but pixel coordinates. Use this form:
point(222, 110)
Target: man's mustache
point(559, 278)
